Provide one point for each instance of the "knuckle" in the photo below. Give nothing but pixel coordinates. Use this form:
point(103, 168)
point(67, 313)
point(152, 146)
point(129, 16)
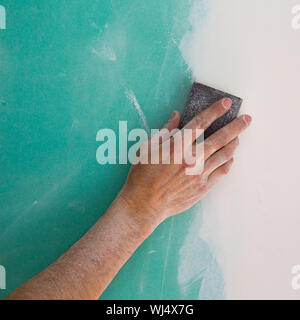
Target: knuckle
point(222, 137)
point(218, 143)
point(201, 122)
point(242, 122)
point(219, 107)
point(226, 169)
point(205, 173)
point(203, 181)
point(209, 149)
point(228, 152)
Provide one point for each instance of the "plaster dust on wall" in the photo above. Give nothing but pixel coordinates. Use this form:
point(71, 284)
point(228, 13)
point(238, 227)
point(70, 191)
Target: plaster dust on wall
point(132, 98)
point(251, 220)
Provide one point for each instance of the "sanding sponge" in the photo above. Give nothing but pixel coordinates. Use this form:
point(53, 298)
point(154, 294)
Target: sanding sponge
point(200, 98)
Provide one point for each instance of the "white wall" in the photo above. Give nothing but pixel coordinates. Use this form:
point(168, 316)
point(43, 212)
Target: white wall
point(252, 219)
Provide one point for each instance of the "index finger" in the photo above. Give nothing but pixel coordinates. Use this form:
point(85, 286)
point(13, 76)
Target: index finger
point(204, 119)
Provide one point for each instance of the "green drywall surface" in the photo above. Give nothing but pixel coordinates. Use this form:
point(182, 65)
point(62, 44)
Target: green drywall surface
point(66, 67)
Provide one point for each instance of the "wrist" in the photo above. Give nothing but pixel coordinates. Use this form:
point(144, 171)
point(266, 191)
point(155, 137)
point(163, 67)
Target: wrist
point(139, 215)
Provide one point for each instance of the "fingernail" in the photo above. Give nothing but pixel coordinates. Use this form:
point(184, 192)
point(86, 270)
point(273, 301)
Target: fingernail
point(247, 119)
point(227, 103)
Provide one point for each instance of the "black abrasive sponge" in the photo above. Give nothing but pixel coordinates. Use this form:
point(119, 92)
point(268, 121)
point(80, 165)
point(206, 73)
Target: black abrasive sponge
point(201, 97)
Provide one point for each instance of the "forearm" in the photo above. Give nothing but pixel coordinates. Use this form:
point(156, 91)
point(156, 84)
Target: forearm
point(152, 193)
point(88, 267)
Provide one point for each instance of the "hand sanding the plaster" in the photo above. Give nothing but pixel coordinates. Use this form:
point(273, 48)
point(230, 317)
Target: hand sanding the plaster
point(200, 98)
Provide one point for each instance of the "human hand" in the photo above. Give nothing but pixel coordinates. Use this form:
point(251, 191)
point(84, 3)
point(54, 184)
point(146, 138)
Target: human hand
point(155, 192)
